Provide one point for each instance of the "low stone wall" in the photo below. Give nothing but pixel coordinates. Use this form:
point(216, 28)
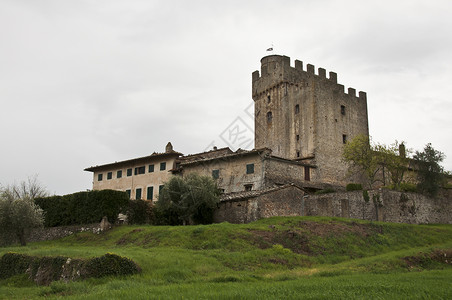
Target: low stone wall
point(381, 205)
point(52, 233)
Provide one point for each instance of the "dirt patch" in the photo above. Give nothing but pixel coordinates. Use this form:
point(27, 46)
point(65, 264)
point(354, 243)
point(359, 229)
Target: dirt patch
point(298, 238)
point(429, 260)
point(294, 240)
point(334, 229)
point(128, 238)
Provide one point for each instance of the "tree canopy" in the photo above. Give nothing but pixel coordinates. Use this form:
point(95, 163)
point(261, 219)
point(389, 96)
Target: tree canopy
point(18, 212)
point(188, 200)
point(430, 173)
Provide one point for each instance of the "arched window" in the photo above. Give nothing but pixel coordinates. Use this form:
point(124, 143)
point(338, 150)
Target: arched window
point(269, 117)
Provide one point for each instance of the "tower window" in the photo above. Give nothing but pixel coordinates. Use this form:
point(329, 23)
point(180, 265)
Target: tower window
point(269, 117)
point(269, 99)
point(249, 168)
point(297, 109)
point(298, 153)
point(344, 138)
point(298, 137)
point(342, 109)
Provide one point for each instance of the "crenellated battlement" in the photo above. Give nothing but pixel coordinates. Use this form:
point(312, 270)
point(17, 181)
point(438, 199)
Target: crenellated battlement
point(276, 70)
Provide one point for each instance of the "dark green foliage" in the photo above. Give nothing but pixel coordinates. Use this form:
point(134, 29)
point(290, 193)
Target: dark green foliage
point(44, 270)
point(404, 187)
point(140, 212)
point(110, 265)
point(366, 196)
point(354, 187)
point(13, 264)
point(188, 200)
point(83, 207)
point(325, 191)
point(430, 173)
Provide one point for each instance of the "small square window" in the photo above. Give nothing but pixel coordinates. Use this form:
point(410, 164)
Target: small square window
point(215, 174)
point(162, 166)
point(138, 194)
point(99, 177)
point(249, 168)
point(129, 172)
point(342, 109)
point(119, 174)
point(151, 168)
point(109, 175)
point(248, 187)
point(150, 193)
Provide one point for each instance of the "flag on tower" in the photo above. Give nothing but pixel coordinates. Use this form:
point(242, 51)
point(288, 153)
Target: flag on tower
point(270, 49)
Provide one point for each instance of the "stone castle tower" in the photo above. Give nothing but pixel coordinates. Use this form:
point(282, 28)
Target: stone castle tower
point(305, 116)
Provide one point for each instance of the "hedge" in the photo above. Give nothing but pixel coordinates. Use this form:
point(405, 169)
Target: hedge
point(83, 207)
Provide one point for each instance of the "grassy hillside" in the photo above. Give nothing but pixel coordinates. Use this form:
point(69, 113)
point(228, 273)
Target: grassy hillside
point(285, 258)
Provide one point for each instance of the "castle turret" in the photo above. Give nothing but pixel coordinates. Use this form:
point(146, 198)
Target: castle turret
point(301, 115)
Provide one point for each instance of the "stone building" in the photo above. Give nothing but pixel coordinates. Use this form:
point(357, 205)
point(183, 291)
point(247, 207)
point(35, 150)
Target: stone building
point(307, 117)
point(302, 120)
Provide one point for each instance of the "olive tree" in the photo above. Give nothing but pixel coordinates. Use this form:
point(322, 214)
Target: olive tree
point(188, 200)
point(18, 212)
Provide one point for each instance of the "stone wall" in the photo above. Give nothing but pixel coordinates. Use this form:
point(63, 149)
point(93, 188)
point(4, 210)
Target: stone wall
point(249, 207)
point(382, 205)
point(52, 233)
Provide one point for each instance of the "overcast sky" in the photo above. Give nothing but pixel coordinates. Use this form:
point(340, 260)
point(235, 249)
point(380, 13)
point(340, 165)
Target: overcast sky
point(84, 83)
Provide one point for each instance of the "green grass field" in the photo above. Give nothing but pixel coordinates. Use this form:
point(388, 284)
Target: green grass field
point(276, 258)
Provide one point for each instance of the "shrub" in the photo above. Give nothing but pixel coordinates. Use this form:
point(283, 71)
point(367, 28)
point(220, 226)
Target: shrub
point(44, 270)
point(110, 265)
point(354, 187)
point(325, 191)
point(140, 212)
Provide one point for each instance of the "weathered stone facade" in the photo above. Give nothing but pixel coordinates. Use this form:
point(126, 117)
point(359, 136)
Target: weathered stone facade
point(251, 170)
point(383, 205)
point(247, 207)
point(305, 116)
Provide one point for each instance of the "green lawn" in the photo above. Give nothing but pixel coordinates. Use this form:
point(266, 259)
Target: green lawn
point(276, 258)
